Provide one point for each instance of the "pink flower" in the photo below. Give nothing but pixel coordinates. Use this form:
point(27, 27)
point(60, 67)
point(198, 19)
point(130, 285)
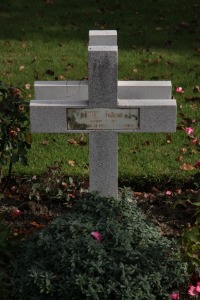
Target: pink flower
point(16, 213)
point(168, 193)
point(96, 235)
point(175, 296)
point(197, 164)
point(189, 130)
point(179, 89)
point(192, 291)
point(71, 196)
point(194, 141)
point(198, 287)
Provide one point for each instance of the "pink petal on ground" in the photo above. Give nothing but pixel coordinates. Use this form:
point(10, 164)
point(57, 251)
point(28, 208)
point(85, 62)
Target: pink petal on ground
point(179, 89)
point(175, 296)
point(194, 141)
point(16, 213)
point(168, 193)
point(189, 130)
point(197, 164)
point(192, 291)
point(97, 235)
point(198, 287)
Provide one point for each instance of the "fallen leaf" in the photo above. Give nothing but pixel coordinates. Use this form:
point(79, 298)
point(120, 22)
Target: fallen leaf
point(137, 194)
point(69, 66)
point(37, 225)
point(194, 151)
point(72, 142)
point(28, 138)
point(82, 141)
point(44, 142)
point(154, 190)
point(71, 163)
point(168, 138)
point(16, 92)
point(197, 164)
point(196, 89)
point(146, 195)
point(170, 63)
point(50, 72)
point(21, 68)
point(194, 106)
point(187, 167)
point(146, 143)
point(9, 61)
point(27, 86)
point(178, 191)
point(180, 158)
point(62, 77)
point(23, 44)
point(184, 24)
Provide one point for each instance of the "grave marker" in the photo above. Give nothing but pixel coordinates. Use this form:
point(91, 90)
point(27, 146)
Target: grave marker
point(103, 106)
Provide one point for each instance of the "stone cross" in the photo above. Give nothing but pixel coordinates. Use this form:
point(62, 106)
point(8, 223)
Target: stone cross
point(102, 107)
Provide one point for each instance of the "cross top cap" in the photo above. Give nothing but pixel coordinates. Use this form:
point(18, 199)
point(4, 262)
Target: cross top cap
point(102, 38)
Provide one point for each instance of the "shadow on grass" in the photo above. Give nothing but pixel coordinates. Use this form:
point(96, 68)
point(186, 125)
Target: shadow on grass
point(140, 24)
point(145, 184)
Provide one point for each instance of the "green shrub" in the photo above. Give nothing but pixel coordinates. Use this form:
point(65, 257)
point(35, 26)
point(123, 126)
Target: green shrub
point(15, 138)
point(131, 260)
point(4, 292)
point(9, 247)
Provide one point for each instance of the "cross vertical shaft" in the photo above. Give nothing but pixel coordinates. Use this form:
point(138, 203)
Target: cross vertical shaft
point(102, 91)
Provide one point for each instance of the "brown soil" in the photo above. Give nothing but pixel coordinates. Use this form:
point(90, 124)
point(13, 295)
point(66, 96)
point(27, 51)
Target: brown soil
point(35, 215)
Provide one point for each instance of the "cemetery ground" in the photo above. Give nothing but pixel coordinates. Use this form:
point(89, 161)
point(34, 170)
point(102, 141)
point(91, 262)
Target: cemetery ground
point(29, 204)
point(157, 41)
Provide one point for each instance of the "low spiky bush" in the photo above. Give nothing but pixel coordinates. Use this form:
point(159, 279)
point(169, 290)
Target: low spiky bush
point(104, 248)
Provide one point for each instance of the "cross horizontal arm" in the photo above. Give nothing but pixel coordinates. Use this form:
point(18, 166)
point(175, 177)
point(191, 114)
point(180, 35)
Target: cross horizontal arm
point(154, 115)
point(78, 90)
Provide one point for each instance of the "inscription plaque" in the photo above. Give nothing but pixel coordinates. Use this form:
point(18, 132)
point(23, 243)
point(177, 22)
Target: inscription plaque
point(103, 119)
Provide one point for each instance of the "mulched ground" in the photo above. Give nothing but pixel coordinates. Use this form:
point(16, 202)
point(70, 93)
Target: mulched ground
point(35, 215)
point(171, 210)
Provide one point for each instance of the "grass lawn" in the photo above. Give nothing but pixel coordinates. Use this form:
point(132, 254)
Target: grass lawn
point(157, 40)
